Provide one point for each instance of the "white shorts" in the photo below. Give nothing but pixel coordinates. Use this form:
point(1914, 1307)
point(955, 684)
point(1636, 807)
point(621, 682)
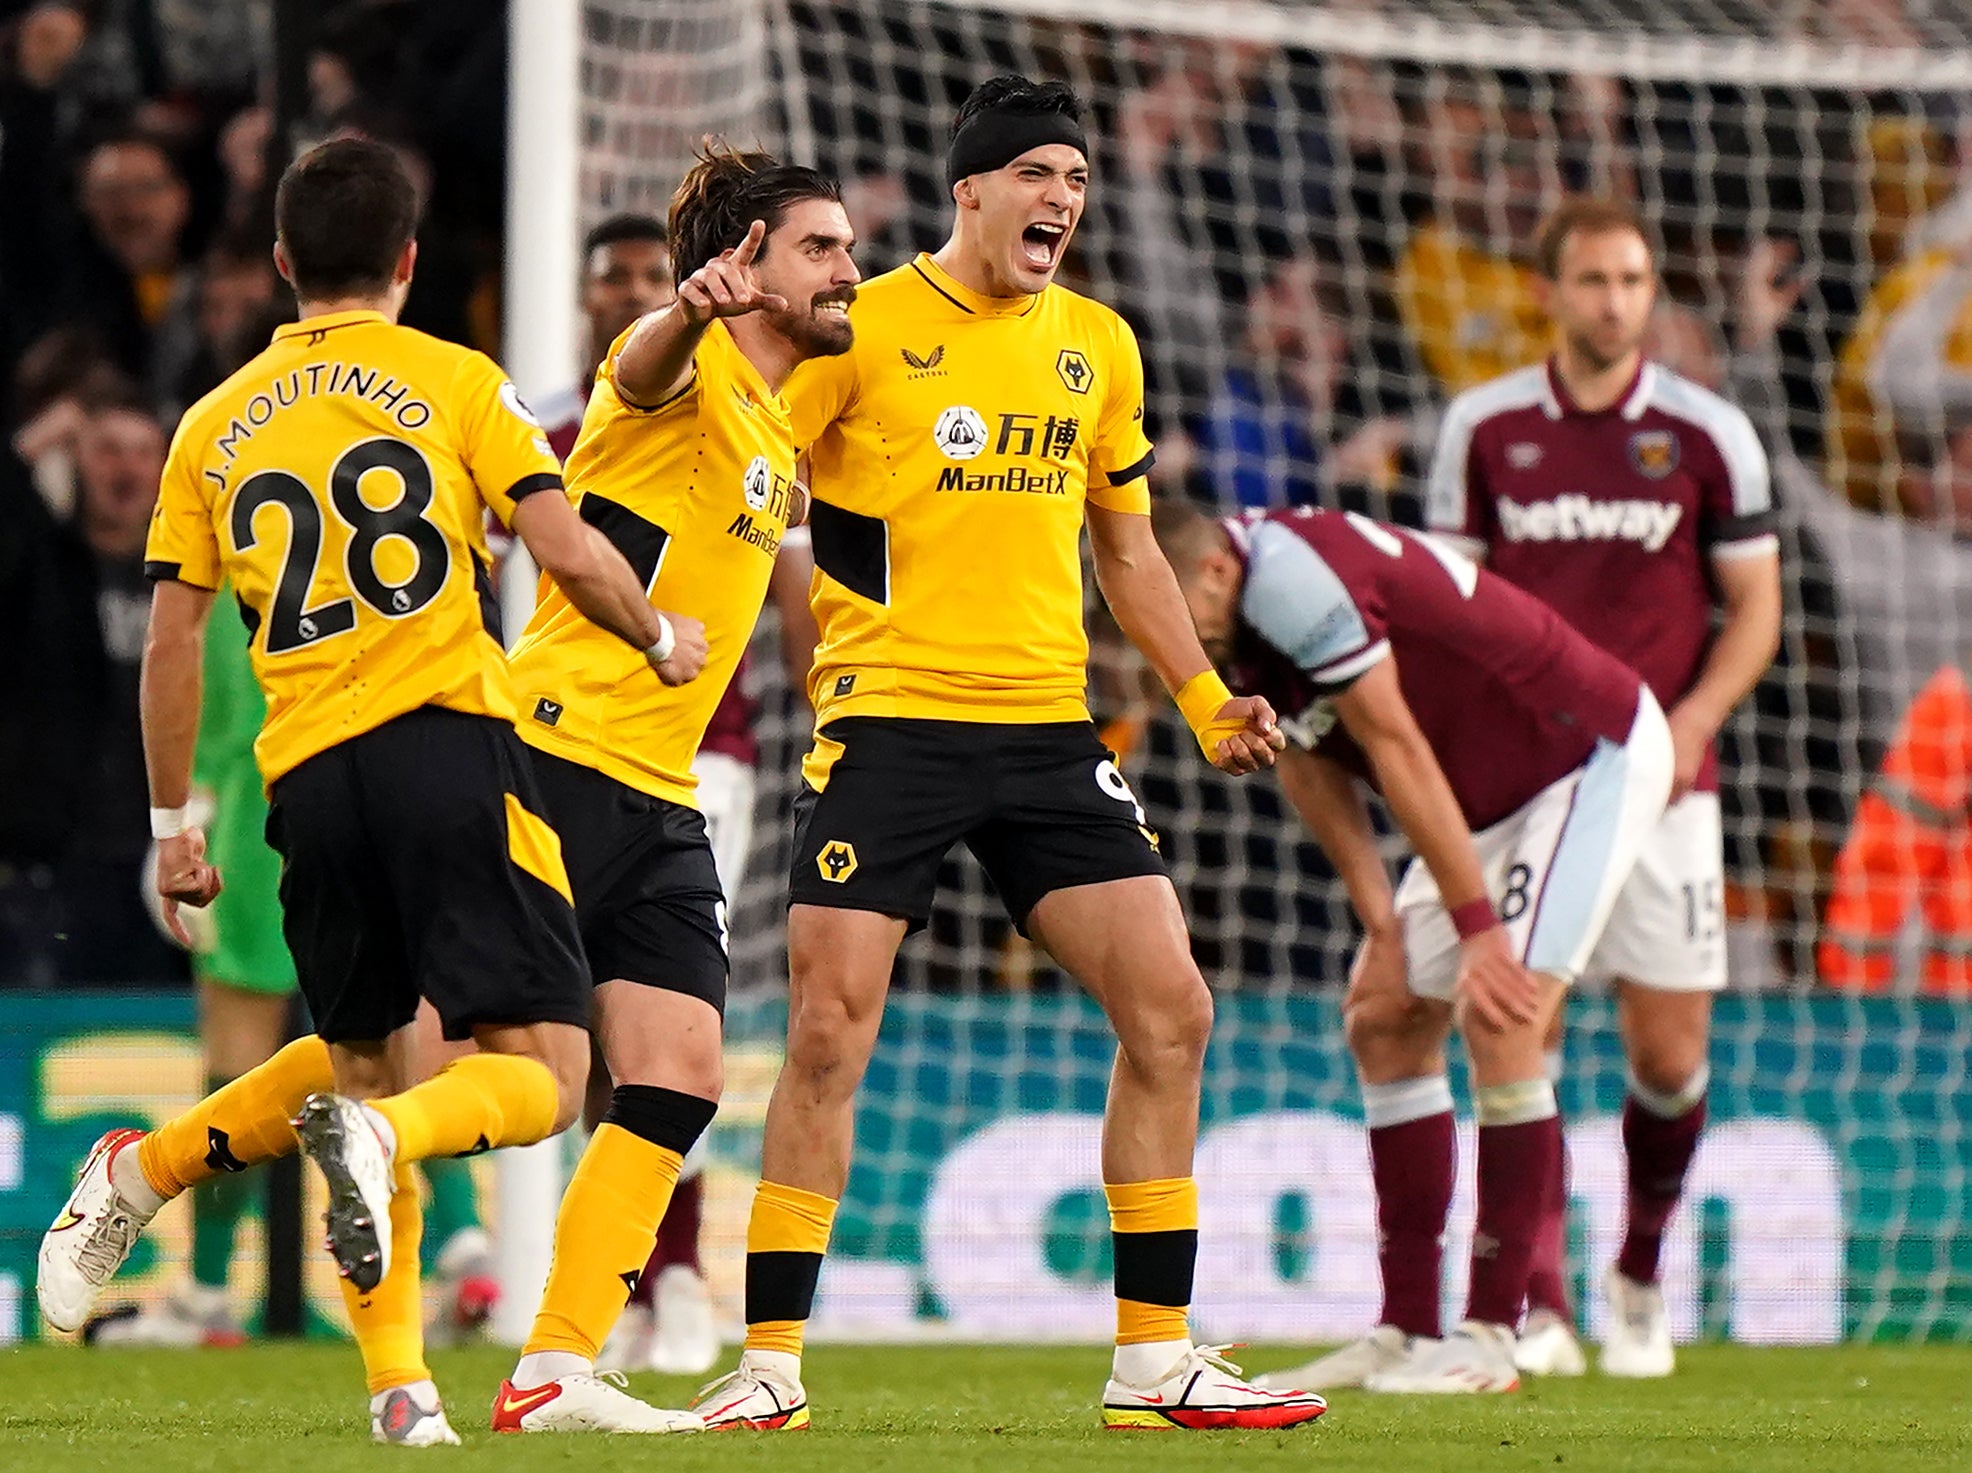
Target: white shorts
point(1555, 868)
point(1667, 931)
point(725, 799)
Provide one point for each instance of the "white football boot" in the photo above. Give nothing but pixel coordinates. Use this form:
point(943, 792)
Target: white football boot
point(1549, 1346)
point(584, 1403)
point(1475, 1358)
point(1381, 1349)
point(90, 1238)
point(763, 1394)
point(1204, 1391)
point(339, 1135)
point(1637, 1340)
point(411, 1416)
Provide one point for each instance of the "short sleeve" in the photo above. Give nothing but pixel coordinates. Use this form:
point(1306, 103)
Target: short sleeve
point(1298, 603)
point(1121, 454)
point(182, 546)
point(500, 440)
point(817, 393)
point(1457, 502)
point(1736, 518)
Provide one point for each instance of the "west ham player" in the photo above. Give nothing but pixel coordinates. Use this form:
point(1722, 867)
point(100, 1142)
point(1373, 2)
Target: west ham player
point(1635, 504)
point(1526, 767)
point(669, 1324)
point(339, 484)
point(984, 417)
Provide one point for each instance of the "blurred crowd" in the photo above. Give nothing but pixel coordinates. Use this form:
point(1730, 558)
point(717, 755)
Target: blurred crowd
point(1316, 251)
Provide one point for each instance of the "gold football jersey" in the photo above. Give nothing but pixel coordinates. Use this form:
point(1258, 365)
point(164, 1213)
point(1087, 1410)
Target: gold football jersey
point(695, 493)
point(952, 452)
point(339, 483)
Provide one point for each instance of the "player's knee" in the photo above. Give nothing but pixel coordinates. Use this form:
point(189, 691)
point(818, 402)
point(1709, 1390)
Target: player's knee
point(565, 1052)
point(1667, 1066)
point(1385, 1033)
point(1166, 1038)
point(829, 1039)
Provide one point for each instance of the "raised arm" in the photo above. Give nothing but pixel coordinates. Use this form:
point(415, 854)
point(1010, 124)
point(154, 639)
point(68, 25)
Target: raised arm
point(656, 362)
point(1237, 733)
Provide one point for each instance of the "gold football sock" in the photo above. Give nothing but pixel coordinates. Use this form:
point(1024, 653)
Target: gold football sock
point(1154, 1227)
point(785, 1239)
point(473, 1104)
point(237, 1126)
point(388, 1322)
point(603, 1236)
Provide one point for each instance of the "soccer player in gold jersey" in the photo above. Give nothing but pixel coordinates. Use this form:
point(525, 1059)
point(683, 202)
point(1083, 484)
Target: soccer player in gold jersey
point(686, 461)
point(338, 483)
point(982, 419)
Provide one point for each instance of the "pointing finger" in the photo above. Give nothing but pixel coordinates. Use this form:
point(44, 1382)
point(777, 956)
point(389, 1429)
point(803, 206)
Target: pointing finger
point(750, 247)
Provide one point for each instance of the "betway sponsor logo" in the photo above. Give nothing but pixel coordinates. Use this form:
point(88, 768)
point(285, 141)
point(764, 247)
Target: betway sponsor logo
point(1578, 518)
point(1014, 478)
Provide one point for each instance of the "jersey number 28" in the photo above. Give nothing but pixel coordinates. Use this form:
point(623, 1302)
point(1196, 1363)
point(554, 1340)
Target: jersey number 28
point(291, 623)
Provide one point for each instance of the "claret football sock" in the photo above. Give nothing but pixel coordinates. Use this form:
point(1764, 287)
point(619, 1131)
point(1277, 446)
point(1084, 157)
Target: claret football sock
point(1660, 1136)
point(609, 1215)
point(237, 1126)
point(786, 1237)
point(1154, 1234)
point(473, 1104)
point(1547, 1286)
point(1519, 1155)
point(1413, 1159)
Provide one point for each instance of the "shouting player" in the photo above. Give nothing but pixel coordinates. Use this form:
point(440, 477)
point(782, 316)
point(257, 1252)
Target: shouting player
point(983, 418)
point(686, 461)
point(1525, 766)
point(339, 483)
point(1636, 505)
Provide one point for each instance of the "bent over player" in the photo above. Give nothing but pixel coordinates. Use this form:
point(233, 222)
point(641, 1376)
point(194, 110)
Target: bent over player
point(686, 462)
point(339, 483)
point(1526, 768)
point(1636, 505)
point(984, 416)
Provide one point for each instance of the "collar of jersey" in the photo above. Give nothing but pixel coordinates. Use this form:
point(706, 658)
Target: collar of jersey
point(964, 297)
point(743, 370)
point(327, 322)
point(1630, 403)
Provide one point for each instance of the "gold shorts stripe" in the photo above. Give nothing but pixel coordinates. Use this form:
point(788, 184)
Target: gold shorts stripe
point(536, 848)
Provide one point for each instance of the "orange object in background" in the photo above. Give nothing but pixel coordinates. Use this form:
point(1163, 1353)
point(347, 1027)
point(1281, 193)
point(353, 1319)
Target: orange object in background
point(1911, 845)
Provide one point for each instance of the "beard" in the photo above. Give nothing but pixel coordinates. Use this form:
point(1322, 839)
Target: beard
point(816, 333)
point(1591, 352)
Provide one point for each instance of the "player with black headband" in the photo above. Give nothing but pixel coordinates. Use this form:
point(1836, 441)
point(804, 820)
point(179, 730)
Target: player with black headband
point(983, 417)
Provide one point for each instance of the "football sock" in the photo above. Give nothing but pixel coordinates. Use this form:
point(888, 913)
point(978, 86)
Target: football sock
point(1547, 1285)
point(388, 1322)
point(1154, 1231)
point(473, 1104)
point(786, 1237)
point(240, 1125)
point(217, 1207)
point(1519, 1154)
point(610, 1213)
point(453, 1206)
point(677, 1236)
point(1660, 1136)
point(1413, 1161)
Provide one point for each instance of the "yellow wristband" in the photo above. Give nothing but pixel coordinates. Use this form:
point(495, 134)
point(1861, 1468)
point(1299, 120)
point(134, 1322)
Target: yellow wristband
point(1200, 700)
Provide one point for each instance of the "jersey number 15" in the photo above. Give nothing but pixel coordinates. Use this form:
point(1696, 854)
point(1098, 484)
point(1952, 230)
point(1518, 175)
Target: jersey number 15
point(291, 623)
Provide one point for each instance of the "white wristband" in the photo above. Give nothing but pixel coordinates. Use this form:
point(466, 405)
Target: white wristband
point(167, 823)
point(667, 641)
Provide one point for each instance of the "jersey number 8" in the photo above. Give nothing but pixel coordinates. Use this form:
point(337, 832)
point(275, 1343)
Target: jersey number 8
point(291, 624)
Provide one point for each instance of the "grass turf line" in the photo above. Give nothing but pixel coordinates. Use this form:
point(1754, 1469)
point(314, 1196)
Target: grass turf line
point(283, 1409)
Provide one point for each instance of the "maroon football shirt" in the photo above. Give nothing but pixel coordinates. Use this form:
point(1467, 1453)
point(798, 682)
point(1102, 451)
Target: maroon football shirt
point(1613, 519)
point(731, 729)
point(1510, 698)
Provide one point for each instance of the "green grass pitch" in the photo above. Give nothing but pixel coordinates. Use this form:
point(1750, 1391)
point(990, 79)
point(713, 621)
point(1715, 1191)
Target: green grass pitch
point(297, 1409)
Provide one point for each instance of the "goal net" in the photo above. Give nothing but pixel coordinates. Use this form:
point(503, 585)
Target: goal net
point(1315, 216)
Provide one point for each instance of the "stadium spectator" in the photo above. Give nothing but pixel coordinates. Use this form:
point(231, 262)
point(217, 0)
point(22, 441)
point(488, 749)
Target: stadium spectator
point(1267, 439)
point(1909, 853)
point(236, 302)
point(1470, 306)
point(131, 270)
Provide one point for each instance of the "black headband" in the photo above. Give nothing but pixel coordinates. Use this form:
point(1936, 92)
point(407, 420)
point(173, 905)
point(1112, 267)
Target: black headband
point(993, 139)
